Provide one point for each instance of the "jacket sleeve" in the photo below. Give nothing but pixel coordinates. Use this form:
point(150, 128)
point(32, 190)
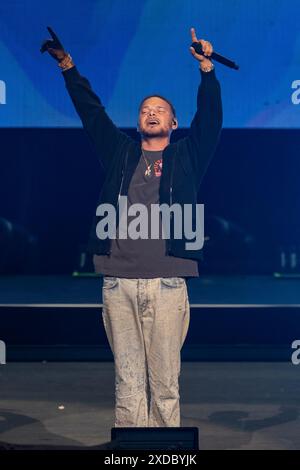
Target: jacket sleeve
point(104, 135)
point(206, 124)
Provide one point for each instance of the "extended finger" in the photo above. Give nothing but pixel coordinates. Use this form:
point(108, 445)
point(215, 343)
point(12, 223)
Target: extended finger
point(193, 34)
point(53, 35)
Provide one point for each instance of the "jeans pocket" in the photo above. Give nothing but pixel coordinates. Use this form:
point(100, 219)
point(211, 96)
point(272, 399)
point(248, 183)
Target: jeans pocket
point(171, 282)
point(110, 282)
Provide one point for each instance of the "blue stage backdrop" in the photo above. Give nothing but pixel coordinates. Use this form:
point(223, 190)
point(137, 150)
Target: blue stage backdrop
point(131, 48)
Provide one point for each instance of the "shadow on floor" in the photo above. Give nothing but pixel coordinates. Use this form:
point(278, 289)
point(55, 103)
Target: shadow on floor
point(10, 421)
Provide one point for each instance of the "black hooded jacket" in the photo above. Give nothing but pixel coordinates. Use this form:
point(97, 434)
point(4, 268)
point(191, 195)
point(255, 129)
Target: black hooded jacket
point(184, 162)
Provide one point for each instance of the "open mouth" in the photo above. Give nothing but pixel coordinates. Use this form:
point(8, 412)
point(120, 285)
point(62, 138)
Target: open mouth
point(152, 122)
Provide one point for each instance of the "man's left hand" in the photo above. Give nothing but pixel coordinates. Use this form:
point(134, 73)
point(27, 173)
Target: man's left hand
point(207, 48)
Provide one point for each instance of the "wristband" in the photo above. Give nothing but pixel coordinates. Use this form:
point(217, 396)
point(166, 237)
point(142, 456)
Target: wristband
point(207, 69)
point(66, 62)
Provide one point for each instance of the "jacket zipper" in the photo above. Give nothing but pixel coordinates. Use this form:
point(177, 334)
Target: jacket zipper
point(120, 189)
point(171, 199)
point(121, 184)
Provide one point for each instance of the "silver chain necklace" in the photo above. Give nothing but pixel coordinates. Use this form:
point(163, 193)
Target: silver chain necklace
point(148, 170)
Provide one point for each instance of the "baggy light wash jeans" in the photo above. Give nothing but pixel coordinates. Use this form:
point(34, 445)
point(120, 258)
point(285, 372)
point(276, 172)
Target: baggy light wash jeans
point(146, 322)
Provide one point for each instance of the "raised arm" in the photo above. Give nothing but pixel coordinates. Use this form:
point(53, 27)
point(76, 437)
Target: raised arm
point(104, 135)
point(207, 122)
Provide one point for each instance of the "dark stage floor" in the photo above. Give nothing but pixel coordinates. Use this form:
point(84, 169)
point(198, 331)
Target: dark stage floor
point(234, 405)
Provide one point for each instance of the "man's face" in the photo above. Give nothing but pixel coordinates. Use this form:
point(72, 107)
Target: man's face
point(156, 118)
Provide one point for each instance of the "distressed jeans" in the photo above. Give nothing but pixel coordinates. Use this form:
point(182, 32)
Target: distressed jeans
point(146, 322)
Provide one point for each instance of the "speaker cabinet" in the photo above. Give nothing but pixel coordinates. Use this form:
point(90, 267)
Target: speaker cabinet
point(167, 438)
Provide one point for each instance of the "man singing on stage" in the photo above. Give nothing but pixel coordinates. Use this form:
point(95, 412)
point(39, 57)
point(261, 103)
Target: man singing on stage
point(145, 300)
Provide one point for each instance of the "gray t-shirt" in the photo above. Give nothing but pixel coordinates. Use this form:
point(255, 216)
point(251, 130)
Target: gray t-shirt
point(144, 258)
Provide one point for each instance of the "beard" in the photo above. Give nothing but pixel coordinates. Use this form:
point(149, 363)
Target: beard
point(155, 131)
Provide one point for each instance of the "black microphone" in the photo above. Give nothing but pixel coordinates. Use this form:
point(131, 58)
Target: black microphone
point(217, 57)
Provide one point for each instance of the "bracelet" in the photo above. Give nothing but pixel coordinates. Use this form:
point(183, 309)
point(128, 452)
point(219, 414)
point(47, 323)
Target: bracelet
point(207, 69)
point(66, 62)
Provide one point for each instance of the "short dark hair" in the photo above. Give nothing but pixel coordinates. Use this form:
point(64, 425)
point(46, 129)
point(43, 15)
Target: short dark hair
point(162, 98)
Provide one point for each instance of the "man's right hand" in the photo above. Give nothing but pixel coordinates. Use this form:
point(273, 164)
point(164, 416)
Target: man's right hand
point(53, 46)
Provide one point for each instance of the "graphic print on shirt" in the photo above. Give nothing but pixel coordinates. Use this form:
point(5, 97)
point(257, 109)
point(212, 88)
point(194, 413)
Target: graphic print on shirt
point(158, 167)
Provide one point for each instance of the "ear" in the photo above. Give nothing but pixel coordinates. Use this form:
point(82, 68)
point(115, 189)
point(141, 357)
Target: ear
point(174, 123)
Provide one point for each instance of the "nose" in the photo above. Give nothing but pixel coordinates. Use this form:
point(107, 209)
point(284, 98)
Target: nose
point(151, 112)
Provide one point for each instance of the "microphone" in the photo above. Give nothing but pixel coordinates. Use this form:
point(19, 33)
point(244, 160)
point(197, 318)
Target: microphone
point(217, 57)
